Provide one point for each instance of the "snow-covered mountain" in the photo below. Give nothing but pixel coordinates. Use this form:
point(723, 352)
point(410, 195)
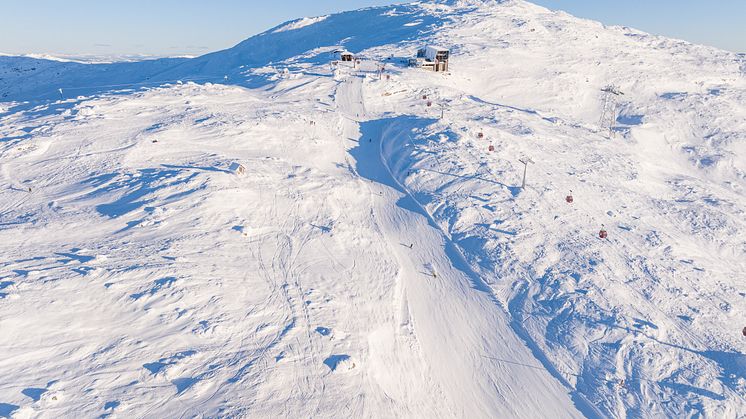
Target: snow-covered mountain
point(376, 259)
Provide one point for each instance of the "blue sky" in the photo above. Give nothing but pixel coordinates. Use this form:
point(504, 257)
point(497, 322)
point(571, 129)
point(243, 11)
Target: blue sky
point(711, 22)
point(171, 27)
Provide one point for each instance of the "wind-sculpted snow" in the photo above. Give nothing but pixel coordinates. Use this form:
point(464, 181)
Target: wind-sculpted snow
point(645, 323)
point(34, 79)
point(300, 23)
point(372, 258)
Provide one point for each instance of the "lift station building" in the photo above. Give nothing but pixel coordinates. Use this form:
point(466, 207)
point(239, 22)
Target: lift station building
point(432, 57)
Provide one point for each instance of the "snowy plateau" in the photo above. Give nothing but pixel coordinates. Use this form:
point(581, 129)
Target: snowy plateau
point(258, 233)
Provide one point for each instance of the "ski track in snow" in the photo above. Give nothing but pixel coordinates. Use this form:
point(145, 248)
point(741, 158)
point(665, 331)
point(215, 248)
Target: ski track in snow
point(375, 259)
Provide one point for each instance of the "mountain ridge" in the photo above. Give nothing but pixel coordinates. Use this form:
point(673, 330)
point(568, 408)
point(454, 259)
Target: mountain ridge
point(256, 51)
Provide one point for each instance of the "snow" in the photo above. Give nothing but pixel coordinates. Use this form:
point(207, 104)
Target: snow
point(95, 58)
point(300, 23)
point(375, 259)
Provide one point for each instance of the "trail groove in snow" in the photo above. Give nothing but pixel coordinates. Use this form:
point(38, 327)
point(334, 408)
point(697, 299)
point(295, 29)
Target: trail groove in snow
point(463, 301)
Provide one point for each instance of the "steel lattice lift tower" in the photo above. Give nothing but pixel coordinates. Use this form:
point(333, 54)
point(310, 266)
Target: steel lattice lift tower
point(610, 106)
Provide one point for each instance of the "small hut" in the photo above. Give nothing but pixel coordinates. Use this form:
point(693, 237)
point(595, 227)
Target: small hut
point(344, 56)
point(237, 169)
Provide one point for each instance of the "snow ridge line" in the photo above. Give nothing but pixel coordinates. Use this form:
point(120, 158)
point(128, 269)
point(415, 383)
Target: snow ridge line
point(583, 404)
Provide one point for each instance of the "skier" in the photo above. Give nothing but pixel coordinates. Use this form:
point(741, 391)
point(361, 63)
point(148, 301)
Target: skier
point(412, 245)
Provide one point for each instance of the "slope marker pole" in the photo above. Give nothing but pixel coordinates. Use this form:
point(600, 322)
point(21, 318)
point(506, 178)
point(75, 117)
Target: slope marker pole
point(526, 161)
point(442, 110)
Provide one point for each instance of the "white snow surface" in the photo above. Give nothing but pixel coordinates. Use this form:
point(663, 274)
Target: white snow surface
point(300, 23)
point(377, 260)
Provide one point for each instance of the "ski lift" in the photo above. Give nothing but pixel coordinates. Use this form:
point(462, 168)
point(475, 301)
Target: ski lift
point(492, 148)
point(480, 135)
point(569, 198)
point(603, 233)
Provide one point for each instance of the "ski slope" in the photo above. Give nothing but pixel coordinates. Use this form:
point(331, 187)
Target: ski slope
point(375, 259)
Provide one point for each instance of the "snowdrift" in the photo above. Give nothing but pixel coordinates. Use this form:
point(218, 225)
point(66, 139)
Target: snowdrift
point(372, 256)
